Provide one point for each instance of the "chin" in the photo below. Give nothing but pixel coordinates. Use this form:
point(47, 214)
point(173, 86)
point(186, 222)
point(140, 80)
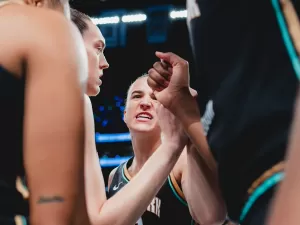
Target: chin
point(93, 91)
point(144, 128)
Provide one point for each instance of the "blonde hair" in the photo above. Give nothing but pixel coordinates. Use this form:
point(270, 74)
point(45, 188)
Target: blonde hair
point(128, 91)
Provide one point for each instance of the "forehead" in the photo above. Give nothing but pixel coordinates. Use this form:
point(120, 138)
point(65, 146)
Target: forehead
point(140, 85)
point(93, 32)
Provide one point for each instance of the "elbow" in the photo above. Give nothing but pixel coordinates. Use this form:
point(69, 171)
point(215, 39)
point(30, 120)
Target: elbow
point(101, 218)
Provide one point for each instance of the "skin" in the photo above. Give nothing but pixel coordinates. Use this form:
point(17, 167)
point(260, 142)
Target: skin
point(94, 43)
point(170, 85)
point(60, 175)
point(102, 211)
point(146, 137)
point(145, 133)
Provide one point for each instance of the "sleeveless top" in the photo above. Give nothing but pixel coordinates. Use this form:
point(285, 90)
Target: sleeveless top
point(167, 207)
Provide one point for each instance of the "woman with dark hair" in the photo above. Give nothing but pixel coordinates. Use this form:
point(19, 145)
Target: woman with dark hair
point(128, 205)
point(40, 84)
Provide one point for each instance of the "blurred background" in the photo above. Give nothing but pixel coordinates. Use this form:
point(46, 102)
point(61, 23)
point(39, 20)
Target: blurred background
point(133, 30)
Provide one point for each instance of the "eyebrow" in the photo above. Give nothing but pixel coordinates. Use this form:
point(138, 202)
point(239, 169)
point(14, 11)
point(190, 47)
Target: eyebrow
point(136, 92)
point(101, 42)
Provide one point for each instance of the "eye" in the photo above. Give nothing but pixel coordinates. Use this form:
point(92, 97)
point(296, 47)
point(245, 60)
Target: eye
point(100, 50)
point(136, 96)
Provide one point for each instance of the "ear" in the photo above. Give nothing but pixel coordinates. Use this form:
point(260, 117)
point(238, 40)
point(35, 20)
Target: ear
point(35, 3)
point(124, 116)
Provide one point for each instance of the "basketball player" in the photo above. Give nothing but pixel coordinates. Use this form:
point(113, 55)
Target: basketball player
point(132, 200)
point(42, 66)
point(262, 189)
point(184, 190)
point(285, 209)
point(245, 55)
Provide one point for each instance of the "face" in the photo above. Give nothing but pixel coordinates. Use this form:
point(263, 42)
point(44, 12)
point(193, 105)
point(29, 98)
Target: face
point(140, 112)
point(95, 45)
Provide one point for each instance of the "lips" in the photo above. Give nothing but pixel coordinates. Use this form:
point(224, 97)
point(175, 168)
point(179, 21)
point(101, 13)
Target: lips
point(144, 116)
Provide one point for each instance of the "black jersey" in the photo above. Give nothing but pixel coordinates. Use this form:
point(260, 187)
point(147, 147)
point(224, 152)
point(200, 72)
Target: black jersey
point(13, 194)
point(167, 207)
point(246, 58)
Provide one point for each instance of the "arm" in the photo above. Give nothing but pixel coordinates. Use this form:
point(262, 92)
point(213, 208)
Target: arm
point(53, 123)
point(200, 175)
point(94, 182)
point(201, 190)
point(287, 201)
point(171, 88)
point(133, 199)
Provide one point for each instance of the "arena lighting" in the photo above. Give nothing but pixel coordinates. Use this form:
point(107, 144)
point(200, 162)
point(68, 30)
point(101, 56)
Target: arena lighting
point(113, 162)
point(178, 14)
point(133, 18)
point(106, 20)
point(112, 138)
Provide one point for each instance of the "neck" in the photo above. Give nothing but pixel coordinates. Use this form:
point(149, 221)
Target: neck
point(143, 147)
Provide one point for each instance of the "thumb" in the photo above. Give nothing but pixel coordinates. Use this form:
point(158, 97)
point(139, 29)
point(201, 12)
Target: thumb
point(156, 94)
point(160, 97)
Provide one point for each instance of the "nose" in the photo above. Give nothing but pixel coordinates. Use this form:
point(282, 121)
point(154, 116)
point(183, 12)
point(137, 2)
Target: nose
point(103, 64)
point(145, 104)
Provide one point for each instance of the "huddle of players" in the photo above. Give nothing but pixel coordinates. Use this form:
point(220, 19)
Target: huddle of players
point(65, 189)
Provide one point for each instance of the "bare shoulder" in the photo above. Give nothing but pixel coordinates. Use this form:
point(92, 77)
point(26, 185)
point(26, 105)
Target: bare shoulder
point(31, 23)
point(33, 31)
point(111, 175)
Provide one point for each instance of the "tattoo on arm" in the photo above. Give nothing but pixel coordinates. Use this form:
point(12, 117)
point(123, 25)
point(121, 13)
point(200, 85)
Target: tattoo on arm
point(50, 199)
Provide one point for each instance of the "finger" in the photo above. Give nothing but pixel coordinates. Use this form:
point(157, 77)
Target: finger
point(171, 58)
point(154, 85)
point(158, 78)
point(162, 71)
point(166, 66)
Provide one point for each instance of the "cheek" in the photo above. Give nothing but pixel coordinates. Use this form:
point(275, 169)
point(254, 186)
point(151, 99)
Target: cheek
point(93, 62)
point(129, 115)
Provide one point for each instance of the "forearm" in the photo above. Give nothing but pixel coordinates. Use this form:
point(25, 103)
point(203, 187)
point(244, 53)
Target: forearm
point(196, 134)
point(133, 199)
point(202, 175)
point(202, 191)
point(189, 116)
point(287, 201)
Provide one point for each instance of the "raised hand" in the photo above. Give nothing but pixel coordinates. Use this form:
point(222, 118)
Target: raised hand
point(172, 131)
point(169, 80)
